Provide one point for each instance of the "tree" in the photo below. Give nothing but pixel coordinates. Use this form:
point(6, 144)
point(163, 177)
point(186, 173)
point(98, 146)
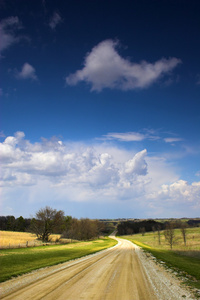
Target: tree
point(158, 229)
point(170, 234)
point(142, 230)
point(46, 222)
point(11, 223)
point(88, 229)
point(183, 227)
point(83, 229)
point(20, 224)
point(100, 227)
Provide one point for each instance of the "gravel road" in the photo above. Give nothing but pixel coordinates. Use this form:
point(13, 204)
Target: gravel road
point(123, 272)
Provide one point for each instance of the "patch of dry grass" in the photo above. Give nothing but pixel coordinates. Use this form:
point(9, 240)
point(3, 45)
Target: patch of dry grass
point(192, 240)
point(14, 239)
point(191, 253)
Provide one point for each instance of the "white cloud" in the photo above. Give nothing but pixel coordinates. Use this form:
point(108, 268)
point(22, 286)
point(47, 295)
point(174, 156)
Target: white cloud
point(8, 28)
point(181, 191)
point(137, 164)
point(55, 20)
point(105, 68)
point(55, 161)
point(54, 171)
point(27, 72)
point(172, 140)
point(130, 136)
point(125, 137)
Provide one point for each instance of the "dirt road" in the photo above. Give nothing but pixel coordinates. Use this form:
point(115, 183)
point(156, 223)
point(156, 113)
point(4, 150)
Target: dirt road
point(115, 273)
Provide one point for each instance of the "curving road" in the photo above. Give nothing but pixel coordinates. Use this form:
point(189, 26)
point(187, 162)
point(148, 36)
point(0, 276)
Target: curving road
point(115, 273)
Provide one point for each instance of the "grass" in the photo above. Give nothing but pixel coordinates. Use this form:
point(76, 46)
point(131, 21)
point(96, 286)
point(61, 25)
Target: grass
point(16, 262)
point(185, 260)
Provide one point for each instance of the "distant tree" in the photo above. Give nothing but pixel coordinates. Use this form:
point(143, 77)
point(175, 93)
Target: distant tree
point(183, 228)
point(72, 228)
point(170, 234)
point(88, 229)
point(142, 230)
point(20, 224)
point(3, 223)
point(100, 227)
point(123, 227)
point(46, 222)
point(83, 229)
point(158, 230)
point(10, 223)
point(154, 230)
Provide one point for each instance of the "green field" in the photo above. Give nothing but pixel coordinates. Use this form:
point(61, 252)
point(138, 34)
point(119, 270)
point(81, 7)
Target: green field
point(185, 260)
point(16, 262)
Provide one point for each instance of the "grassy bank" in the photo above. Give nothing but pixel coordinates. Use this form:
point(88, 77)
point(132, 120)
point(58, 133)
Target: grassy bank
point(16, 262)
point(185, 260)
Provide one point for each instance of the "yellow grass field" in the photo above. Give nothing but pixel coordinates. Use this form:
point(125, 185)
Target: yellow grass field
point(192, 247)
point(151, 239)
point(14, 239)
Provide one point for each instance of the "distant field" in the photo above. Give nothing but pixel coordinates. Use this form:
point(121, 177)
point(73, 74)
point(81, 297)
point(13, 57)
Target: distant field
point(14, 239)
point(184, 259)
point(192, 240)
point(16, 262)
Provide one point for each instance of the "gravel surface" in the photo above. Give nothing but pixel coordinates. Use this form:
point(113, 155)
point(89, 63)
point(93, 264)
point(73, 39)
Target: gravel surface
point(166, 285)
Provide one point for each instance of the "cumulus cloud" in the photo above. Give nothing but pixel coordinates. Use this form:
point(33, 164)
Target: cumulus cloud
point(180, 191)
point(8, 28)
point(55, 20)
point(52, 159)
point(27, 72)
point(52, 170)
point(105, 68)
point(137, 164)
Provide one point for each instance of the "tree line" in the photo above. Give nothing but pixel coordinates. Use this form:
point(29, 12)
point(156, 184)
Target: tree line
point(133, 227)
point(49, 221)
point(10, 223)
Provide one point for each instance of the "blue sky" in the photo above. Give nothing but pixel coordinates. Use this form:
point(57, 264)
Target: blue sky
point(100, 108)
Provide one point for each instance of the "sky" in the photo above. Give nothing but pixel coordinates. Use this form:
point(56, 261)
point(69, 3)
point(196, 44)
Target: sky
point(100, 108)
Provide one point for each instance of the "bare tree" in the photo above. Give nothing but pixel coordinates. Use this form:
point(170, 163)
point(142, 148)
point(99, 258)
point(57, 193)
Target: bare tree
point(83, 229)
point(142, 230)
point(170, 234)
point(158, 230)
point(46, 222)
point(88, 229)
point(183, 227)
point(153, 229)
point(100, 227)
